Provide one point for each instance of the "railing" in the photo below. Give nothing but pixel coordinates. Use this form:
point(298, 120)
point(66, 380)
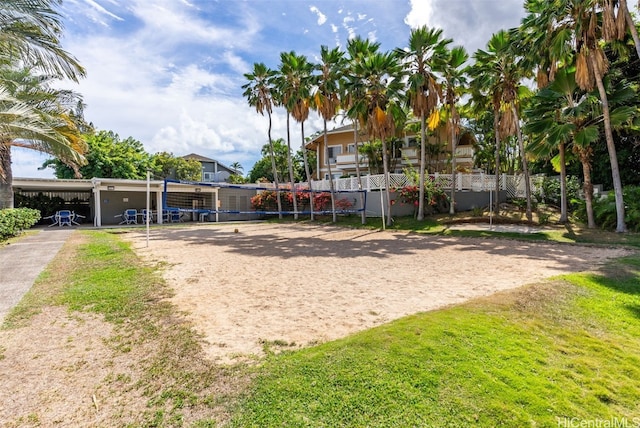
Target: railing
point(478, 182)
point(464, 152)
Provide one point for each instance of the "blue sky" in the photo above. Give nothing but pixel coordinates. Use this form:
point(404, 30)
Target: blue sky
point(169, 72)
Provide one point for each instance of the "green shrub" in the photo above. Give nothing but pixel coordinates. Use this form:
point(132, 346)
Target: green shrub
point(14, 220)
point(547, 191)
point(604, 209)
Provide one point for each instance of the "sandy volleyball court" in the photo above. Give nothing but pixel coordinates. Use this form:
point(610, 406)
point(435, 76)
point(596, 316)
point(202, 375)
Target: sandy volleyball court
point(305, 284)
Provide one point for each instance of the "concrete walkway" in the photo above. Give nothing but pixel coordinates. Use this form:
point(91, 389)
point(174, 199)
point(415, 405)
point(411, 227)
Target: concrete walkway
point(515, 228)
point(22, 261)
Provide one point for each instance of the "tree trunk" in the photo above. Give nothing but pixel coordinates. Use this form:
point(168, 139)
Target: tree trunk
point(423, 138)
point(587, 188)
point(307, 170)
point(355, 142)
point(611, 148)
point(331, 189)
point(454, 145)
point(497, 189)
point(6, 176)
point(385, 168)
point(525, 165)
point(632, 26)
point(292, 178)
point(564, 217)
point(275, 171)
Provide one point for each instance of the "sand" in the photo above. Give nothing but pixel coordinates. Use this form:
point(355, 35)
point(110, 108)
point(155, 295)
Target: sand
point(247, 285)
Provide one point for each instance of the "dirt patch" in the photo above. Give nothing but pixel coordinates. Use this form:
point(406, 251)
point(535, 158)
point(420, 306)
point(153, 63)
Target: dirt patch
point(58, 371)
point(295, 285)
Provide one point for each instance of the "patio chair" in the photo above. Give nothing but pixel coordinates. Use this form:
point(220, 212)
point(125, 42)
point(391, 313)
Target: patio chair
point(130, 216)
point(144, 216)
point(75, 216)
point(175, 216)
point(65, 218)
point(53, 218)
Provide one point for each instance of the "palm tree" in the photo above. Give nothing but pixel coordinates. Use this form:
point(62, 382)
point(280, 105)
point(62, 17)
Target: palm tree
point(573, 31)
point(382, 75)
point(300, 82)
point(454, 81)
point(29, 32)
point(563, 114)
point(35, 116)
point(327, 100)
point(259, 92)
point(358, 49)
point(498, 72)
point(287, 88)
point(616, 22)
point(237, 166)
point(427, 49)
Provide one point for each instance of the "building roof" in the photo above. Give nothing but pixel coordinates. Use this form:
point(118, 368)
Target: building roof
point(339, 130)
point(200, 158)
point(52, 184)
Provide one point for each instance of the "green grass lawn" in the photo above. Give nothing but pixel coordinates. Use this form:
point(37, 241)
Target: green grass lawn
point(538, 356)
point(559, 352)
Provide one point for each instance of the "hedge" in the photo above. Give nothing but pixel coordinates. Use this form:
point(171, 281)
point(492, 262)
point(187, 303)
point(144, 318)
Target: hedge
point(14, 220)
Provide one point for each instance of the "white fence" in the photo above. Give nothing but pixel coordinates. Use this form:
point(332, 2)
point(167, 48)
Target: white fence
point(478, 182)
point(513, 184)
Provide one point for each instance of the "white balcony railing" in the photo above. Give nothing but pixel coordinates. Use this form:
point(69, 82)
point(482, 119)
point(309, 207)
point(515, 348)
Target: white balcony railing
point(464, 152)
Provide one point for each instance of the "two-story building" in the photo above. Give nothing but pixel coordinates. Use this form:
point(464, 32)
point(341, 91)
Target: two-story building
point(341, 154)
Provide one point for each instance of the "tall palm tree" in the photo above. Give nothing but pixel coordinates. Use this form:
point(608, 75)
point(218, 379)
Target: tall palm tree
point(498, 72)
point(427, 50)
point(563, 114)
point(454, 81)
point(358, 49)
point(29, 34)
point(286, 82)
point(573, 33)
point(35, 116)
point(382, 74)
point(327, 100)
point(300, 82)
point(259, 92)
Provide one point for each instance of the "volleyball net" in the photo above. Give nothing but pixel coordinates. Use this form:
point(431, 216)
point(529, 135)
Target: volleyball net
point(201, 200)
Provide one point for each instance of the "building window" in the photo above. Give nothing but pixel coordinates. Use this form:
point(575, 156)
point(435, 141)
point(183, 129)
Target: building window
point(332, 154)
point(351, 148)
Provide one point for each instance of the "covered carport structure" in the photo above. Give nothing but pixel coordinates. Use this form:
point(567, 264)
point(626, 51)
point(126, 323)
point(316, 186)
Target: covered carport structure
point(105, 199)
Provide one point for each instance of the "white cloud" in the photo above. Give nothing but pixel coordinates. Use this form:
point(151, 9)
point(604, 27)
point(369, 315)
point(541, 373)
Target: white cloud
point(421, 13)
point(351, 31)
point(322, 18)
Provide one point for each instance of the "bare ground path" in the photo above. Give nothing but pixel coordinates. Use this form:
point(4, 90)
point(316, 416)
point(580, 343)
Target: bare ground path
point(22, 261)
point(301, 284)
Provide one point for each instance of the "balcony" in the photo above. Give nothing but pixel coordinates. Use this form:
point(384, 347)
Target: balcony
point(464, 152)
point(349, 160)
